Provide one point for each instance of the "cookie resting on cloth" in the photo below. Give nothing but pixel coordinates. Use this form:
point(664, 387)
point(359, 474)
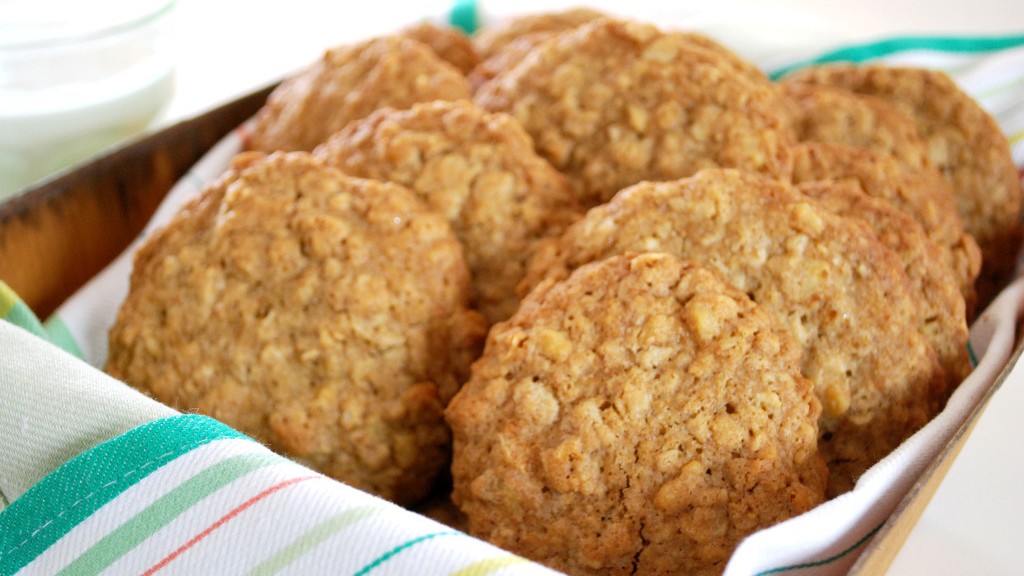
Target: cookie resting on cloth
point(943, 321)
point(963, 141)
point(640, 417)
point(827, 279)
point(921, 193)
point(819, 113)
point(323, 315)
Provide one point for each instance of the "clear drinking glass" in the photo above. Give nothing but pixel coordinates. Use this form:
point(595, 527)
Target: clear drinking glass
point(75, 78)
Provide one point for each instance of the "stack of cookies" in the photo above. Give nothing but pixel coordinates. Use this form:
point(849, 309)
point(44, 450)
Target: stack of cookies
point(635, 298)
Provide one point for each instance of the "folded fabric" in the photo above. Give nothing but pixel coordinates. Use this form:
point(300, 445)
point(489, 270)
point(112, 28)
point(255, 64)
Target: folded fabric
point(188, 494)
point(153, 490)
point(54, 406)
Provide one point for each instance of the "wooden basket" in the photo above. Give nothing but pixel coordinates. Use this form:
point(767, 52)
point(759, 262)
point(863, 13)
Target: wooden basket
point(59, 233)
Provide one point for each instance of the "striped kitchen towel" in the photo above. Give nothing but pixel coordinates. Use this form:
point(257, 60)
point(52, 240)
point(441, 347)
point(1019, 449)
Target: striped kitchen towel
point(188, 495)
point(152, 490)
point(156, 491)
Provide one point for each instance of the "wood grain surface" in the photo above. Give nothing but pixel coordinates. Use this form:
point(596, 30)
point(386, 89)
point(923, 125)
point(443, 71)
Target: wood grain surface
point(60, 232)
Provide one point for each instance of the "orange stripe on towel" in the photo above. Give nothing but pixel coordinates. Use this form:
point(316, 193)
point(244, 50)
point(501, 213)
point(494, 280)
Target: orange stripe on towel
point(224, 520)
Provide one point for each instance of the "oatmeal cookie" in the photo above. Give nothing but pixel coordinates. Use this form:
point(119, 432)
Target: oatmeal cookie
point(943, 317)
point(519, 47)
point(348, 83)
point(826, 278)
point(480, 171)
point(493, 38)
point(641, 417)
point(819, 113)
point(448, 42)
point(612, 103)
point(504, 59)
point(921, 193)
point(963, 141)
point(321, 314)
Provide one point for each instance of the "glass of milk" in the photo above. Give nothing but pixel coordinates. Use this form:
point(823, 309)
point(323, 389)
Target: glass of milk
point(75, 78)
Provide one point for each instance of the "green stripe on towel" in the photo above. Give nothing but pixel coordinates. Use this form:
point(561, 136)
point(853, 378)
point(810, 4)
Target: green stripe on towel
point(18, 313)
point(69, 495)
point(164, 510)
point(59, 334)
point(882, 48)
point(465, 15)
point(312, 538)
point(15, 311)
point(401, 548)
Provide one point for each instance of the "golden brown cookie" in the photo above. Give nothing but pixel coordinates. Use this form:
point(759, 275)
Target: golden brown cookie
point(518, 49)
point(505, 59)
point(738, 63)
point(943, 317)
point(480, 171)
point(963, 141)
point(494, 37)
point(448, 42)
point(821, 113)
point(321, 314)
point(640, 417)
point(826, 278)
point(921, 193)
point(612, 103)
point(348, 83)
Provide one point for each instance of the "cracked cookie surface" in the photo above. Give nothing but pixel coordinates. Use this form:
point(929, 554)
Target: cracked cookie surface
point(323, 315)
point(943, 317)
point(826, 279)
point(819, 113)
point(349, 82)
point(612, 103)
point(476, 168)
point(963, 141)
point(921, 193)
point(495, 37)
point(640, 417)
point(448, 42)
